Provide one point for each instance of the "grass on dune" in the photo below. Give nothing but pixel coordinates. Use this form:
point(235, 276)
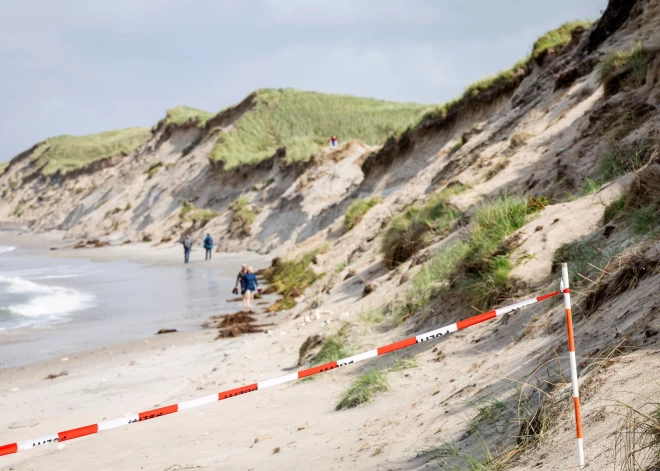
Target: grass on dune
point(302, 122)
point(334, 348)
point(3, 167)
point(242, 215)
point(290, 278)
point(477, 268)
point(627, 67)
point(558, 37)
point(417, 225)
point(199, 216)
point(184, 114)
point(357, 210)
point(66, 153)
point(553, 39)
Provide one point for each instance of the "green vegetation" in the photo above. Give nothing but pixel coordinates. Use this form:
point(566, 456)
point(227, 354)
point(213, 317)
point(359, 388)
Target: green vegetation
point(557, 38)
point(626, 68)
point(340, 267)
point(290, 278)
point(302, 122)
point(243, 216)
point(417, 225)
point(333, 348)
point(112, 212)
point(18, 211)
point(644, 220)
point(619, 161)
point(637, 442)
point(372, 316)
point(504, 79)
point(357, 210)
point(199, 216)
point(585, 258)
point(128, 206)
point(497, 168)
point(614, 209)
point(184, 114)
point(364, 388)
point(13, 184)
point(66, 153)
point(153, 169)
point(429, 281)
point(3, 167)
point(486, 267)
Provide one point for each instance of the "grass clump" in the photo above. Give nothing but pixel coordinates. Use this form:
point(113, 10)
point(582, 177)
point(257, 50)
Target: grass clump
point(128, 206)
point(67, 153)
point(484, 278)
point(185, 114)
point(199, 216)
point(243, 216)
point(623, 69)
point(290, 278)
point(584, 257)
point(357, 210)
point(416, 227)
point(637, 443)
point(429, 281)
point(153, 169)
point(333, 348)
point(364, 388)
point(302, 122)
point(372, 316)
point(18, 211)
point(3, 167)
point(557, 38)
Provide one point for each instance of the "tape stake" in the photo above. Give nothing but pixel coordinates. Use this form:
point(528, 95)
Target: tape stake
point(566, 290)
point(162, 411)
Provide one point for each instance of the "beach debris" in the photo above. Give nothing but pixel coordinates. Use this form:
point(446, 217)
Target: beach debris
point(15, 389)
point(234, 325)
point(79, 245)
point(55, 376)
point(64, 359)
point(262, 438)
point(17, 425)
point(304, 427)
point(166, 331)
point(283, 333)
point(60, 446)
point(276, 450)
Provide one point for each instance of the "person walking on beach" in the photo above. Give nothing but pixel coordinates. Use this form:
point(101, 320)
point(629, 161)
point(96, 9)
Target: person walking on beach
point(250, 285)
point(187, 246)
point(208, 245)
point(239, 280)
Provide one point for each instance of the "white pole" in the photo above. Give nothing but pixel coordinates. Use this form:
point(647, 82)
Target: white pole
point(571, 354)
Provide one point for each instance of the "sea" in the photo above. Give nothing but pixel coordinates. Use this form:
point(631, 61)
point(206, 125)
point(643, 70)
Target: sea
point(52, 307)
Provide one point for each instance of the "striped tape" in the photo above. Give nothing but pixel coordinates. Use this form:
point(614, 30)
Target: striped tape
point(566, 290)
point(162, 411)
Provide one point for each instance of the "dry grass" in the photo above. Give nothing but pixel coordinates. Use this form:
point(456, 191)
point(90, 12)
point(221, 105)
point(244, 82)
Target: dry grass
point(243, 216)
point(637, 443)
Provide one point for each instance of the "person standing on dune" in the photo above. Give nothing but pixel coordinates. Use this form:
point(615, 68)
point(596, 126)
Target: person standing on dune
point(208, 245)
point(187, 247)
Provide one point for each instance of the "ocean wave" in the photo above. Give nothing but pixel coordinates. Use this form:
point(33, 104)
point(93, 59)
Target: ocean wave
point(44, 300)
point(6, 248)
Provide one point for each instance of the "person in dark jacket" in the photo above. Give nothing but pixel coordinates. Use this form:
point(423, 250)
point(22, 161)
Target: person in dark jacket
point(250, 285)
point(239, 279)
point(208, 245)
point(187, 247)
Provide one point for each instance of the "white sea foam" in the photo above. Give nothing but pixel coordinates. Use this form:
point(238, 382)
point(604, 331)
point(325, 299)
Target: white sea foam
point(44, 300)
point(6, 248)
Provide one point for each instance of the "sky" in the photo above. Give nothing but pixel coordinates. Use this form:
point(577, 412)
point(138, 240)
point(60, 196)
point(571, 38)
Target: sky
point(86, 66)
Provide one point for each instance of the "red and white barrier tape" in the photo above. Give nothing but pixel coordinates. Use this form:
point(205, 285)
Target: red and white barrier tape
point(152, 414)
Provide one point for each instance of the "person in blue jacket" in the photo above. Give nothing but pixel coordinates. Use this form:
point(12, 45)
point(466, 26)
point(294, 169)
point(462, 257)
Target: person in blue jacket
point(249, 284)
point(208, 245)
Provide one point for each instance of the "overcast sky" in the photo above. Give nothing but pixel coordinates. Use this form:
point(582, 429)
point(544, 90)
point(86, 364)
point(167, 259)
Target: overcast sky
point(85, 66)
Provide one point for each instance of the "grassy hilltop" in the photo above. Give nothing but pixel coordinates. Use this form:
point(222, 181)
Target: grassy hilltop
point(304, 121)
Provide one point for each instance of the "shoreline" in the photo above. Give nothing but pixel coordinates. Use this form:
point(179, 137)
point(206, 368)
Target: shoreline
point(161, 263)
